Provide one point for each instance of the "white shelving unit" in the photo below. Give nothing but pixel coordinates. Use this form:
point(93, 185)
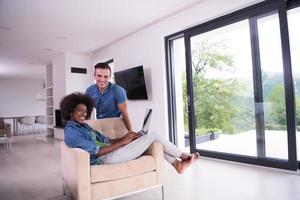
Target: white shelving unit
point(49, 101)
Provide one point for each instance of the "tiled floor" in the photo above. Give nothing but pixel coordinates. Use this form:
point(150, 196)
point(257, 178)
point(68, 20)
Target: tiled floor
point(33, 173)
point(32, 170)
point(245, 144)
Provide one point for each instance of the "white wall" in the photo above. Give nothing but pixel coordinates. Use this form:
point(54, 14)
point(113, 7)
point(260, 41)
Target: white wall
point(18, 97)
point(146, 47)
point(74, 81)
point(65, 82)
point(59, 79)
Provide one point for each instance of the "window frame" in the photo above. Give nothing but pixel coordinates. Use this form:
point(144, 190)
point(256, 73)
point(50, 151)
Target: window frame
point(251, 13)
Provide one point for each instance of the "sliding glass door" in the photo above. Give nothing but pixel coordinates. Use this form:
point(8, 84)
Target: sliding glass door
point(231, 90)
point(274, 135)
point(237, 91)
point(294, 35)
point(223, 95)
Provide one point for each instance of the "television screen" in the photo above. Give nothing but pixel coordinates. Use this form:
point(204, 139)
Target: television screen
point(133, 81)
point(59, 121)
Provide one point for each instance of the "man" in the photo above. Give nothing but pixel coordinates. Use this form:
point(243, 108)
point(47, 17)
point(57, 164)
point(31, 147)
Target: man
point(110, 99)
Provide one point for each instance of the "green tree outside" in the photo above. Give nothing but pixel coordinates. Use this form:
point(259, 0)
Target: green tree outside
point(275, 116)
point(227, 104)
point(214, 99)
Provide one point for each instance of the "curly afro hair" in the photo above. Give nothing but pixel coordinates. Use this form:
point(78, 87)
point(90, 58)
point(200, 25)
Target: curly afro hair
point(69, 103)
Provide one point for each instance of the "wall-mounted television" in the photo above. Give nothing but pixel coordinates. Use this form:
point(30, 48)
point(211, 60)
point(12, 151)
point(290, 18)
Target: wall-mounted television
point(133, 81)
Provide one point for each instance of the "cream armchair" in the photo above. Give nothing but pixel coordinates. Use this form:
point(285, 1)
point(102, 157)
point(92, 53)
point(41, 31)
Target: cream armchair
point(97, 182)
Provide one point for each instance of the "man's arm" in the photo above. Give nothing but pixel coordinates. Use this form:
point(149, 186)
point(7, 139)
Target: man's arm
point(123, 108)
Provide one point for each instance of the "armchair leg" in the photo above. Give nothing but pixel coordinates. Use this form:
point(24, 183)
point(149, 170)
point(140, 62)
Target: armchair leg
point(163, 192)
point(65, 189)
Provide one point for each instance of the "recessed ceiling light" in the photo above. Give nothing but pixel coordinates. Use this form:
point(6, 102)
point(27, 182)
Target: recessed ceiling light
point(61, 37)
point(5, 28)
point(48, 49)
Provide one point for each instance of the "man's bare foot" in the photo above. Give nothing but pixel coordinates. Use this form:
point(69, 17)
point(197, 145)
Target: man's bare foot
point(181, 166)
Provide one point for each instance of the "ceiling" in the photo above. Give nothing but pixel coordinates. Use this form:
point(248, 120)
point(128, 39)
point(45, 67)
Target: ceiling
point(33, 32)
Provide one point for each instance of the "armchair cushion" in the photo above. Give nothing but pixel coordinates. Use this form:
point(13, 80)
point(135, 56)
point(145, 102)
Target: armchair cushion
point(111, 127)
point(122, 170)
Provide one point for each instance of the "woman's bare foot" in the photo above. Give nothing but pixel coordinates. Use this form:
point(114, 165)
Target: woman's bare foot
point(187, 156)
point(181, 166)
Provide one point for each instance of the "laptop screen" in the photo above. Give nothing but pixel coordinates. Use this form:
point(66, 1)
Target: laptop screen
point(147, 120)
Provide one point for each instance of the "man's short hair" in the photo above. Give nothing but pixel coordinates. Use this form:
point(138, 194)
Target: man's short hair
point(102, 65)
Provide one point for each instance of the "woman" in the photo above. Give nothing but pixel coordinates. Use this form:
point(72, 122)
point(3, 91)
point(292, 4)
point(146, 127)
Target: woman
point(77, 107)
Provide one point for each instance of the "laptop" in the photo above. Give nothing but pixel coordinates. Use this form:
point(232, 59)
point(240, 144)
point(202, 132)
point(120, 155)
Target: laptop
point(146, 122)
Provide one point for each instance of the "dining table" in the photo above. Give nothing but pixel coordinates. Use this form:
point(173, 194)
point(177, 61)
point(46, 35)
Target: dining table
point(15, 122)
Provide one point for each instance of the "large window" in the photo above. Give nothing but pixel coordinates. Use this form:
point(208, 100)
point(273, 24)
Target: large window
point(182, 127)
point(231, 89)
point(223, 90)
point(294, 34)
point(272, 87)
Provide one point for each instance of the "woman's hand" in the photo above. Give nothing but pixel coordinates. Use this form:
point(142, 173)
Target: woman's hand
point(129, 137)
point(118, 142)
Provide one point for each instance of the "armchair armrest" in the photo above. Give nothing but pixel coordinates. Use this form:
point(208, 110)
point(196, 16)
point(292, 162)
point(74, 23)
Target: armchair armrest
point(75, 167)
point(156, 150)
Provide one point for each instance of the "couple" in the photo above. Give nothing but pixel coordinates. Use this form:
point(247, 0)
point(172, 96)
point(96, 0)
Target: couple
point(77, 107)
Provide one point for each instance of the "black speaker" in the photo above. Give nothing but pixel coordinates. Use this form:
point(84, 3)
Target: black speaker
point(78, 70)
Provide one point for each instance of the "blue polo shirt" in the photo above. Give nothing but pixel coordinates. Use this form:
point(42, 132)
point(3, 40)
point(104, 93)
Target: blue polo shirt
point(106, 104)
point(84, 137)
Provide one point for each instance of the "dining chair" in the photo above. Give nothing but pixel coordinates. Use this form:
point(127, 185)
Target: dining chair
point(27, 122)
point(41, 123)
point(5, 135)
